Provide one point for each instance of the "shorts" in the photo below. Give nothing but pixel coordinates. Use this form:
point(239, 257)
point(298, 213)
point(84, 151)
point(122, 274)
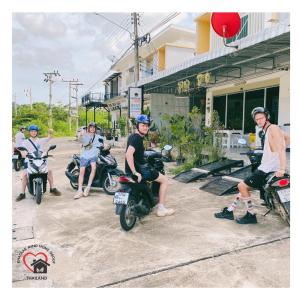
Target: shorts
point(148, 173)
point(84, 162)
point(257, 179)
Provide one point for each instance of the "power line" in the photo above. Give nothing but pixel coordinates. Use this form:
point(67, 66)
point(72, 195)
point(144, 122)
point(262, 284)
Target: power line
point(112, 22)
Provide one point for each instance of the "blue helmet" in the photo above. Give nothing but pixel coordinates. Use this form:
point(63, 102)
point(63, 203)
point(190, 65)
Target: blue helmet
point(33, 127)
point(142, 119)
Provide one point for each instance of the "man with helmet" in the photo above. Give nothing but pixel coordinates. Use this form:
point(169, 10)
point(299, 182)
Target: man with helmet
point(89, 155)
point(20, 137)
point(274, 142)
point(136, 165)
point(32, 144)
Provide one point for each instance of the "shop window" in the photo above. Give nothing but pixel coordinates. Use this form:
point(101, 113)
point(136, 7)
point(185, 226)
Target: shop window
point(252, 99)
point(235, 111)
point(219, 104)
point(272, 100)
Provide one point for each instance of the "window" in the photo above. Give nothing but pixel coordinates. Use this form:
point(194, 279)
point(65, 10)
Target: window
point(235, 111)
point(242, 33)
point(252, 99)
point(272, 99)
point(219, 104)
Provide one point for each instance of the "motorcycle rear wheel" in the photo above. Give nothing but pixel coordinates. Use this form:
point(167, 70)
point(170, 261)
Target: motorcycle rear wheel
point(127, 217)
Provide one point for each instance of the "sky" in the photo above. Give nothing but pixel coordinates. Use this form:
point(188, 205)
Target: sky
point(79, 45)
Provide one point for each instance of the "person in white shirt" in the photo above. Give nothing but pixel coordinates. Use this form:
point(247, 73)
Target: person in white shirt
point(20, 137)
point(89, 155)
point(31, 144)
point(274, 143)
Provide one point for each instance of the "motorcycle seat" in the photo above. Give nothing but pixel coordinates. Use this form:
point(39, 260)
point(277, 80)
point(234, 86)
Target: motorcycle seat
point(152, 154)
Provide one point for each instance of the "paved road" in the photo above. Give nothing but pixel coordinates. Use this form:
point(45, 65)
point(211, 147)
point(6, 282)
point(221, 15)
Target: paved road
point(189, 249)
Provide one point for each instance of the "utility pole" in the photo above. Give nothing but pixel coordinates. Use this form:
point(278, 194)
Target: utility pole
point(135, 17)
point(72, 83)
point(15, 103)
point(77, 106)
point(50, 80)
point(29, 95)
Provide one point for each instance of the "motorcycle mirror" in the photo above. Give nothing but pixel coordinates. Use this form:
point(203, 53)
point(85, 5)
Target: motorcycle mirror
point(22, 149)
point(52, 147)
point(242, 142)
point(168, 147)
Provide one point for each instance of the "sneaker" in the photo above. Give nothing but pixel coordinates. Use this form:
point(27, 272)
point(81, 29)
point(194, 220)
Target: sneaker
point(247, 219)
point(86, 191)
point(225, 214)
point(163, 212)
point(78, 195)
point(55, 192)
point(21, 197)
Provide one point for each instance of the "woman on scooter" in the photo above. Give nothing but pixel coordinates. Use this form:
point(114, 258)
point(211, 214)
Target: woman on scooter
point(89, 155)
point(273, 160)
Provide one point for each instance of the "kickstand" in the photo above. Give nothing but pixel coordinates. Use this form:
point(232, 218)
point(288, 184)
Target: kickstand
point(267, 212)
point(140, 220)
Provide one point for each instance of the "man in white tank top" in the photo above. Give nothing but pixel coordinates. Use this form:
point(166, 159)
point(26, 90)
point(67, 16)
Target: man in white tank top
point(274, 142)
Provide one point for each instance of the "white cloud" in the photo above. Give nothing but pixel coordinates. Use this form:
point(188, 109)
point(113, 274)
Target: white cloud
point(76, 44)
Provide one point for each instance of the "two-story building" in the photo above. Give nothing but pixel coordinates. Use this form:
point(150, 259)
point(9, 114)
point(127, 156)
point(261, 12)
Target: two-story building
point(168, 48)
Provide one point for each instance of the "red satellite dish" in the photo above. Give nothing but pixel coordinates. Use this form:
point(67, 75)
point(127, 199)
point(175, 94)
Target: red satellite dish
point(226, 24)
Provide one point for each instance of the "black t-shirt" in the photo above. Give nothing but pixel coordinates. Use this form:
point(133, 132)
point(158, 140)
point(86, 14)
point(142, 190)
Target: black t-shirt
point(136, 141)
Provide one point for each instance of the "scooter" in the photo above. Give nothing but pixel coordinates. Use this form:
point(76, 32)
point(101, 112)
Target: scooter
point(17, 159)
point(276, 191)
point(166, 153)
point(136, 200)
point(37, 172)
point(107, 173)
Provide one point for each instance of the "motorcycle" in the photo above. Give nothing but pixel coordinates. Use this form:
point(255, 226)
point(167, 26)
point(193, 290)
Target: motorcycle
point(136, 200)
point(107, 173)
point(276, 192)
point(37, 172)
point(166, 153)
point(17, 159)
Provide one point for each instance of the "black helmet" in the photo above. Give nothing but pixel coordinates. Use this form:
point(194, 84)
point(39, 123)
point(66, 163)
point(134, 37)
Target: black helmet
point(92, 124)
point(260, 110)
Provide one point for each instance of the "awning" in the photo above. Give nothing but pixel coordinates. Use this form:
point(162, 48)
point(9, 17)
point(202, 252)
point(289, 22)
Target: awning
point(111, 76)
point(262, 53)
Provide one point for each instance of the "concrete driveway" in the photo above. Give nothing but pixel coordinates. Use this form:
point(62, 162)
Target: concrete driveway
point(188, 249)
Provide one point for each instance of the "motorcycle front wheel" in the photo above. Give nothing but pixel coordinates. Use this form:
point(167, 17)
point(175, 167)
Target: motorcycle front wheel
point(111, 187)
point(38, 193)
point(17, 165)
point(74, 185)
point(127, 216)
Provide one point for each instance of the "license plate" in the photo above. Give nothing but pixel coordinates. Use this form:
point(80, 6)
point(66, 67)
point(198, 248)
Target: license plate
point(284, 195)
point(121, 198)
point(15, 156)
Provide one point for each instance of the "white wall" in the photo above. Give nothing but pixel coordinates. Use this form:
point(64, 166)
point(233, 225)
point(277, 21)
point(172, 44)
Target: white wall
point(284, 99)
point(176, 55)
point(167, 103)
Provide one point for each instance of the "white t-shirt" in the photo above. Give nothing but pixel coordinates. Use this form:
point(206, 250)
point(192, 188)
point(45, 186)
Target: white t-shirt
point(39, 143)
point(20, 137)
